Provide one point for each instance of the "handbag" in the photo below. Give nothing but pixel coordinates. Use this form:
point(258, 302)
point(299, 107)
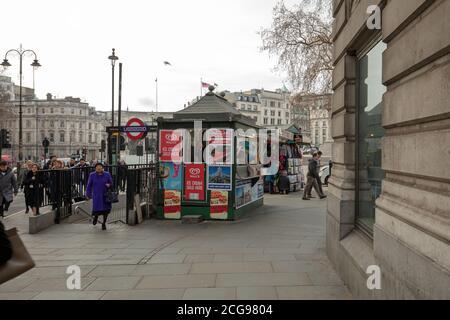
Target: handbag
point(20, 261)
point(112, 196)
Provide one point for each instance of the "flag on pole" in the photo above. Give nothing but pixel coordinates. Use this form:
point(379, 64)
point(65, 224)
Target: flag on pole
point(205, 85)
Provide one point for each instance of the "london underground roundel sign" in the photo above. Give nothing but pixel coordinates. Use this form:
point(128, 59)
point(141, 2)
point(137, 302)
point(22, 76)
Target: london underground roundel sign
point(135, 129)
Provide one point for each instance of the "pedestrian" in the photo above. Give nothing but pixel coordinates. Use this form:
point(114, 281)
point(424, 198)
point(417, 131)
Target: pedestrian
point(49, 164)
point(122, 173)
point(34, 186)
point(27, 168)
point(72, 163)
point(5, 246)
point(312, 179)
point(99, 183)
point(284, 184)
point(8, 187)
point(319, 181)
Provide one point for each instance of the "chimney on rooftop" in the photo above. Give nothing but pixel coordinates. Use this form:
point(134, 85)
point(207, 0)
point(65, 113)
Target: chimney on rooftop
point(49, 96)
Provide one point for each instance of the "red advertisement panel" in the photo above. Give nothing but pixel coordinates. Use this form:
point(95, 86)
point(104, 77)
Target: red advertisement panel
point(171, 145)
point(194, 182)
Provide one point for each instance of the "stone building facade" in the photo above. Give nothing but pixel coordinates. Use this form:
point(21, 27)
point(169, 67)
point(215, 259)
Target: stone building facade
point(70, 125)
point(269, 109)
point(312, 113)
point(389, 201)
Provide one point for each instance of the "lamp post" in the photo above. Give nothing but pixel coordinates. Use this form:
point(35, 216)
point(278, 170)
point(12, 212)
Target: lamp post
point(6, 64)
point(113, 59)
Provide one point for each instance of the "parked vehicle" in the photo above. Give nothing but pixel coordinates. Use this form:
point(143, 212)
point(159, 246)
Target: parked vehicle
point(324, 174)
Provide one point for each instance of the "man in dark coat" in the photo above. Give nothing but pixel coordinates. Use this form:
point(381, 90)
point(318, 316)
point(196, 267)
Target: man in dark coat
point(8, 187)
point(312, 179)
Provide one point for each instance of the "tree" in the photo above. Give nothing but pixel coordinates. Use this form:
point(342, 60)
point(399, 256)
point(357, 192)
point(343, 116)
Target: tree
point(301, 38)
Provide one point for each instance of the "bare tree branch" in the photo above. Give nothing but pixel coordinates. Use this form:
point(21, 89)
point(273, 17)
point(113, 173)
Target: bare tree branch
point(301, 39)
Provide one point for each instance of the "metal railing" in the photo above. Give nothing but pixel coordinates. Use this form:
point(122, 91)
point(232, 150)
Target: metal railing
point(62, 188)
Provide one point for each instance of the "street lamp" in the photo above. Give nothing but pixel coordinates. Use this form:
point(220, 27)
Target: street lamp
point(6, 64)
point(113, 59)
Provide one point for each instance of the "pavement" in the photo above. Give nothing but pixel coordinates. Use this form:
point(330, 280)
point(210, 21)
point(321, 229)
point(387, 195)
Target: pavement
point(276, 252)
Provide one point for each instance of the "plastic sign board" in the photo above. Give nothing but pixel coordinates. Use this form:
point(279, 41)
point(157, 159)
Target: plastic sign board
point(135, 129)
point(171, 145)
point(194, 182)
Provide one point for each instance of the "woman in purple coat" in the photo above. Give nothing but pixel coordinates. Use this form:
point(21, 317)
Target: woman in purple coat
point(97, 189)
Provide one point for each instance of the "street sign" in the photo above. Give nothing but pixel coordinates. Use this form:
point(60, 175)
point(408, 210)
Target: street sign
point(135, 129)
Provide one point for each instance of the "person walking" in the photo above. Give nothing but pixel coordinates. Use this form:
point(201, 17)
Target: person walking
point(122, 173)
point(21, 180)
point(49, 164)
point(318, 188)
point(34, 189)
point(8, 187)
point(99, 183)
point(312, 179)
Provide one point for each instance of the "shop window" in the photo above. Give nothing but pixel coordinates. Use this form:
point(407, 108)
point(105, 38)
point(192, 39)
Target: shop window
point(370, 134)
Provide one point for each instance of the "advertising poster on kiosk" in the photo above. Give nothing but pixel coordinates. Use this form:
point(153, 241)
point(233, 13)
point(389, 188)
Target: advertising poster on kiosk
point(219, 205)
point(171, 176)
point(246, 193)
point(194, 182)
point(220, 146)
point(219, 178)
point(172, 204)
point(171, 145)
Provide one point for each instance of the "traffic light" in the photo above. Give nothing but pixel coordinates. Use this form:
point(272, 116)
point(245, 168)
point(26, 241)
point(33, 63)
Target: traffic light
point(103, 146)
point(5, 139)
point(122, 144)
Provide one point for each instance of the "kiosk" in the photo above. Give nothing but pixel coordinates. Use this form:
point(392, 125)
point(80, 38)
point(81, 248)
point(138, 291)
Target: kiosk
point(199, 174)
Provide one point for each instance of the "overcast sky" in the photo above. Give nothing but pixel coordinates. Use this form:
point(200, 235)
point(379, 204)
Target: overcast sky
point(215, 40)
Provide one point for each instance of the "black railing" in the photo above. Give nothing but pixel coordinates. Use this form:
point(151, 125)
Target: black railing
point(64, 187)
point(141, 185)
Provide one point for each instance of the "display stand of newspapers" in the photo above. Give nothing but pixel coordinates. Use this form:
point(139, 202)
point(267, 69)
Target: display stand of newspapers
point(295, 174)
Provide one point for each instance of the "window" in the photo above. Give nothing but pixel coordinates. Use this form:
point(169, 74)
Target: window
point(43, 110)
point(51, 110)
point(279, 121)
point(81, 112)
point(95, 138)
point(272, 121)
point(324, 124)
point(272, 104)
point(287, 114)
point(81, 125)
point(42, 135)
point(265, 112)
point(72, 111)
point(62, 124)
point(29, 110)
point(90, 138)
point(265, 103)
point(324, 134)
point(370, 133)
point(62, 110)
point(61, 137)
point(52, 137)
point(279, 104)
point(266, 121)
point(279, 113)
point(80, 136)
point(317, 141)
point(52, 124)
point(28, 124)
point(249, 108)
point(28, 137)
point(255, 108)
point(90, 126)
point(272, 113)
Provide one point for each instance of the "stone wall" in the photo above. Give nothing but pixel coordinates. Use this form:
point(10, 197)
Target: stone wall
point(411, 239)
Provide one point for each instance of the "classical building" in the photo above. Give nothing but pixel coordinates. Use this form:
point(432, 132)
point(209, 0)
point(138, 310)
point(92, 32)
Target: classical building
point(389, 194)
point(70, 125)
point(148, 117)
point(312, 113)
point(270, 109)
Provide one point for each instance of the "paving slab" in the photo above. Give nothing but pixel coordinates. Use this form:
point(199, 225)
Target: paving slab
point(313, 293)
point(162, 269)
point(256, 293)
point(262, 279)
point(113, 283)
point(70, 295)
point(154, 294)
point(231, 267)
point(210, 294)
point(180, 281)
